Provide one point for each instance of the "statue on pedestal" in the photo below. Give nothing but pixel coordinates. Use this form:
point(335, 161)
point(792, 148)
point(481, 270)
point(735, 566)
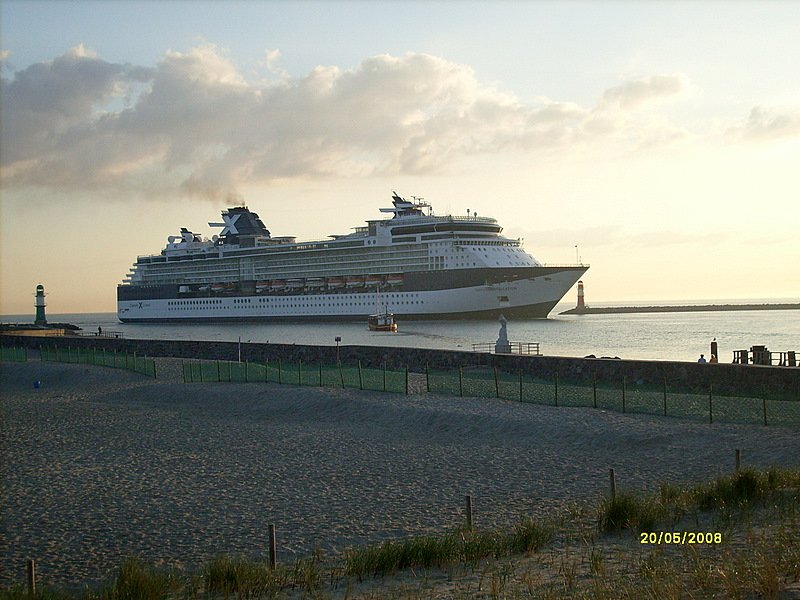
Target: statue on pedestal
point(502, 345)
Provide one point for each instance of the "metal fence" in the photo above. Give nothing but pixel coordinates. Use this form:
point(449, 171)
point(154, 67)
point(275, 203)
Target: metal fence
point(13, 354)
point(619, 396)
point(623, 396)
point(297, 373)
point(93, 356)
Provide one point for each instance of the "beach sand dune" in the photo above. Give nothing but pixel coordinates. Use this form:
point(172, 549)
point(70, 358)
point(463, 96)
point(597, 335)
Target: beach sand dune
point(99, 464)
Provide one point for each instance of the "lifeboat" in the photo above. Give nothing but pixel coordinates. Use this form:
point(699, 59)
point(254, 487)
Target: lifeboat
point(334, 283)
point(354, 281)
point(217, 287)
point(396, 279)
point(263, 286)
point(314, 283)
point(372, 280)
point(277, 285)
point(294, 284)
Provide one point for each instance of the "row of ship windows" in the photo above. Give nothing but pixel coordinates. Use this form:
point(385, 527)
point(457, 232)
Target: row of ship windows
point(239, 301)
point(307, 305)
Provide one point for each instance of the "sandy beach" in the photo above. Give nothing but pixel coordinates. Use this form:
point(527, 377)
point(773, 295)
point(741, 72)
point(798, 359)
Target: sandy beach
point(98, 464)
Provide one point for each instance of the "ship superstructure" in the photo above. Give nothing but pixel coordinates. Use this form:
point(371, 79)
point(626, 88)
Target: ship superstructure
point(421, 264)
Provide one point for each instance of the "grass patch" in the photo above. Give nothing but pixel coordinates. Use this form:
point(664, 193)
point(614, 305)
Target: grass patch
point(439, 550)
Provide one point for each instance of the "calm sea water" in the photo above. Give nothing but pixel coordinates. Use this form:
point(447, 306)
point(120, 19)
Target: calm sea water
point(660, 336)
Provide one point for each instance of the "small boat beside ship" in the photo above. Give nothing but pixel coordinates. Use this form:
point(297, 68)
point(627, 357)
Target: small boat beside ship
point(382, 322)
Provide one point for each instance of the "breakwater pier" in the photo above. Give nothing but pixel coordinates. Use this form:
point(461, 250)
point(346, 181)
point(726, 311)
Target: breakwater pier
point(735, 379)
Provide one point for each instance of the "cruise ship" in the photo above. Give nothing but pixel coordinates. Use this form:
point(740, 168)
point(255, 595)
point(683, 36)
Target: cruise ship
point(413, 263)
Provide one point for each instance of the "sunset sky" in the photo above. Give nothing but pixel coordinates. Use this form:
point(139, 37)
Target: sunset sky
point(660, 138)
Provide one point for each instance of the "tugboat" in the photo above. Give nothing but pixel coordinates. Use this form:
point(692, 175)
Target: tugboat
point(382, 322)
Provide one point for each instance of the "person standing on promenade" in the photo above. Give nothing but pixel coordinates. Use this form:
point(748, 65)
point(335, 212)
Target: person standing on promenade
point(702, 358)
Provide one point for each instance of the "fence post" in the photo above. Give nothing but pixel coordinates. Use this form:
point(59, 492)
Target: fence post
point(427, 378)
point(280, 372)
point(594, 389)
point(183, 370)
point(384, 376)
point(764, 403)
point(341, 373)
point(520, 385)
point(406, 380)
point(320, 373)
point(556, 390)
point(623, 393)
point(360, 379)
point(300, 371)
point(31, 577)
point(665, 396)
point(273, 547)
point(460, 381)
point(613, 479)
point(710, 409)
point(266, 371)
point(738, 459)
point(469, 512)
point(496, 384)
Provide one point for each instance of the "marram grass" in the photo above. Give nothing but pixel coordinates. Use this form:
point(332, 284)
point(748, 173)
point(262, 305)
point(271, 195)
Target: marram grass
point(768, 562)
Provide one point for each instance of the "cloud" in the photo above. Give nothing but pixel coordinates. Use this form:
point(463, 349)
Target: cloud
point(762, 125)
point(194, 125)
point(633, 94)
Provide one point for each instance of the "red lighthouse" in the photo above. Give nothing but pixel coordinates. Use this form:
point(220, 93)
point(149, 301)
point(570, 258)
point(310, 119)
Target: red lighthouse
point(581, 306)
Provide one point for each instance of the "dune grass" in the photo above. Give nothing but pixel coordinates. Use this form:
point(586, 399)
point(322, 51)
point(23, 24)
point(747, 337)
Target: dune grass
point(764, 561)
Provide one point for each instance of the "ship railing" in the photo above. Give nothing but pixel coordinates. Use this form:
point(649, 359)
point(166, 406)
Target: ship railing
point(527, 348)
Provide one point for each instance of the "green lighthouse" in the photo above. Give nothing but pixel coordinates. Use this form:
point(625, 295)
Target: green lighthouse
point(40, 318)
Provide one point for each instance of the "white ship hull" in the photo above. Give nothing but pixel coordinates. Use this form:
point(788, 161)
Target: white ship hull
point(532, 297)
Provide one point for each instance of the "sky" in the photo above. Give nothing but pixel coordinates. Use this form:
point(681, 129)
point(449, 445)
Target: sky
point(658, 142)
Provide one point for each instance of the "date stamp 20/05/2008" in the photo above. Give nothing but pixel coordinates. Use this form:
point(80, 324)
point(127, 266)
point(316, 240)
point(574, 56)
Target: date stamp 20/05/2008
point(680, 537)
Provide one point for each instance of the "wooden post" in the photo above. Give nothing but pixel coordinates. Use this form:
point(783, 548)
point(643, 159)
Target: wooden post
point(183, 370)
point(360, 379)
point(31, 577)
point(623, 393)
point(556, 390)
point(460, 381)
point(246, 372)
point(341, 373)
point(764, 404)
point(320, 373)
point(496, 384)
point(219, 376)
point(469, 512)
point(299, 371)
point(613, 478)
point(665, 396)
point(738, 460)
point(266, 371)
point(427, 378)
point(280, 373)
point(384, 376)
point(273, 547)
point(594, 389)
point(520, 385)
point(406, 380)
point(710, 408)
